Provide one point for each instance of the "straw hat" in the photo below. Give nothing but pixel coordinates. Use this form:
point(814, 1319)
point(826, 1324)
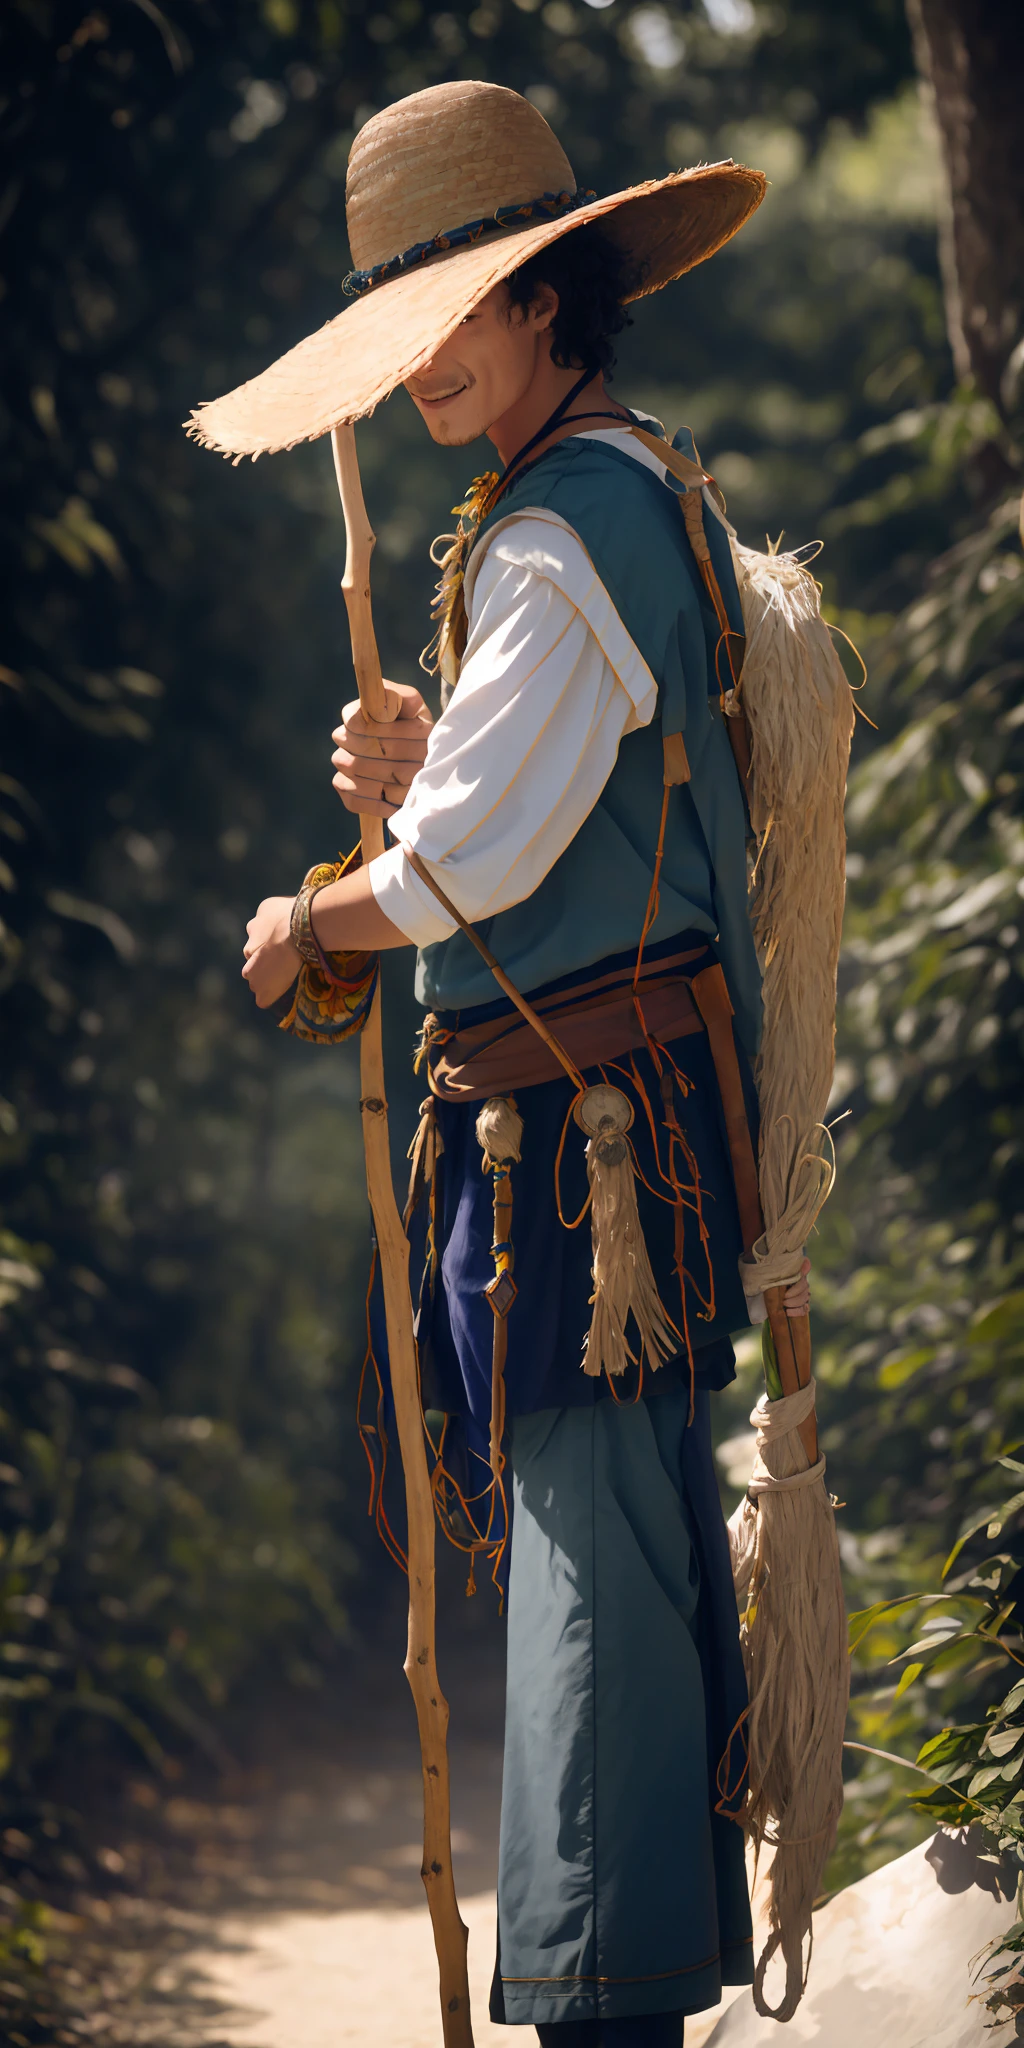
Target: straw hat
point(448, 191)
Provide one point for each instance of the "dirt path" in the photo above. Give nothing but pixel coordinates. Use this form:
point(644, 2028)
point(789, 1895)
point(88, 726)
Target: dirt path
point(284, 1908)
point(323, 1981)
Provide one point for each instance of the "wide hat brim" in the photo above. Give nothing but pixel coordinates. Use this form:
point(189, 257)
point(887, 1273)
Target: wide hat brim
point(344, 370)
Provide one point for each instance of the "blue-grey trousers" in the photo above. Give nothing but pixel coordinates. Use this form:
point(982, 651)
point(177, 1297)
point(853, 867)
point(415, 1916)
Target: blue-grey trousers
point(621, 1891)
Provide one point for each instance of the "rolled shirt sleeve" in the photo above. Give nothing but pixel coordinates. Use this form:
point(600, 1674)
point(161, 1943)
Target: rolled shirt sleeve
point(550, 682)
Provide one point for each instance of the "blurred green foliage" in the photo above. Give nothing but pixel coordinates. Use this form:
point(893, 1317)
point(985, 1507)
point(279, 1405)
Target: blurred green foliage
point(185, 1223)
point(969, 1642)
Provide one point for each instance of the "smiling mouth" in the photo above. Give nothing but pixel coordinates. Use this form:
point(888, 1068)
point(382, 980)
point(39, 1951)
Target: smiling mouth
point(441, 397)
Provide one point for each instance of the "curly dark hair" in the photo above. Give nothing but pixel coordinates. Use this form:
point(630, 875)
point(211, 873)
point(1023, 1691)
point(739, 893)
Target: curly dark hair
point(592, 277)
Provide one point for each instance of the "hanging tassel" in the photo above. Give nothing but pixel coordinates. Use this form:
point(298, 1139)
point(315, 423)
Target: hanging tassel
point(624, 1284)
point(785, 1559)
point(423, 1154)
point(499, 1129)
point(449, 552)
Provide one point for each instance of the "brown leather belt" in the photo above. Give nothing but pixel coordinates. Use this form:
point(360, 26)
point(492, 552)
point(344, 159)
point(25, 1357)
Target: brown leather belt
point(595, 1021)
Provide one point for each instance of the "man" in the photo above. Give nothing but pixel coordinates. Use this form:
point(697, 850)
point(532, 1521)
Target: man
point(579, 805)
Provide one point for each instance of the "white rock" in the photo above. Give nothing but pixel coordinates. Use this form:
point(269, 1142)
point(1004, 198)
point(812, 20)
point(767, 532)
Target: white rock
point(894, 1959)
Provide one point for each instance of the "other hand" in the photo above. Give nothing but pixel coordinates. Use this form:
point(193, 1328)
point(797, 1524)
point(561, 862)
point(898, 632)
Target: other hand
point(798, 1296)
point(271, 960)
point(375, 763)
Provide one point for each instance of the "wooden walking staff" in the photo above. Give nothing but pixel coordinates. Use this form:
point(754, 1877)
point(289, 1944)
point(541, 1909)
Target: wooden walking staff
point(450, 1933)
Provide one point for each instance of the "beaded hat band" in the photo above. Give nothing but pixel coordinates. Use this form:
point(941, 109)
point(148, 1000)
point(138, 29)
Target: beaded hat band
point(550, 206)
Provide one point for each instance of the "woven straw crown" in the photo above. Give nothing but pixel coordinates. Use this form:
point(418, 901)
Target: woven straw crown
point(442, 157)
point(448, 192)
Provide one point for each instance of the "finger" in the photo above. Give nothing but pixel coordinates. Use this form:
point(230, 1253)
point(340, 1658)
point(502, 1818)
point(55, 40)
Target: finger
point(368, 807)
point(408, 745)
point(405, 706)
point(404, 741)
point(387, 771)
point(357, 720)
point(360, 785)
point(403, 701)
point(379, 728)
point(410, 702)
point(387, 788)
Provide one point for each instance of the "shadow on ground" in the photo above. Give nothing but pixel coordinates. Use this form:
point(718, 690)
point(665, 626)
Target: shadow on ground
point(322, 1818)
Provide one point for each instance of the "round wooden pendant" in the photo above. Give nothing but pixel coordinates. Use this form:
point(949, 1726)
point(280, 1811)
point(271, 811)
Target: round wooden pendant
point(604, 1112)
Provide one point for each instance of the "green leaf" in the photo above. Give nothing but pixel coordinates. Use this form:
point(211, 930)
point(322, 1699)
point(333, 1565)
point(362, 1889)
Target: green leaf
point(982, 1778)
point(863, 1620)
point(996, 1526)
point(1005, 1319)
point(935, 1640)
point(991, 1519)
point(772, 1376)
point(904, 1365)
point(946, 1747)
point(912, 1671)
point(1002, 1740)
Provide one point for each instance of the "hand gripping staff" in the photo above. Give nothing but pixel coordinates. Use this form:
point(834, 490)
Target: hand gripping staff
point(450, 1933)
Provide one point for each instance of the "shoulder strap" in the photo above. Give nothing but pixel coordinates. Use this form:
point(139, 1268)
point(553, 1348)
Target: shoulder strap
point(693, 478)
point(690, 474)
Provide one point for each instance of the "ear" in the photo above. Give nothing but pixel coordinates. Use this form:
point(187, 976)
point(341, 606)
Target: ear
point(543, 307)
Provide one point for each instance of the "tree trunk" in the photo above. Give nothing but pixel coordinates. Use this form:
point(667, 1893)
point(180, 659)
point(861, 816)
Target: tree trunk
point(971, 55)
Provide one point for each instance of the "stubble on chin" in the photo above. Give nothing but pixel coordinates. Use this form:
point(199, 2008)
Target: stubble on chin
point(448, 435)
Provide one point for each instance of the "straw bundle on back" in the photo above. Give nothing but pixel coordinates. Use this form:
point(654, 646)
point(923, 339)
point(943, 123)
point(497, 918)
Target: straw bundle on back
point(799, 708)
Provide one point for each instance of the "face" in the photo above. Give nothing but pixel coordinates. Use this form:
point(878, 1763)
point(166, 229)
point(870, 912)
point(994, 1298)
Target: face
point(485, 368)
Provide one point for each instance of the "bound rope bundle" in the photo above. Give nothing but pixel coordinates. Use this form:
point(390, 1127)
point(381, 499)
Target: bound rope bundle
point(799, 710)
point(786, 1561)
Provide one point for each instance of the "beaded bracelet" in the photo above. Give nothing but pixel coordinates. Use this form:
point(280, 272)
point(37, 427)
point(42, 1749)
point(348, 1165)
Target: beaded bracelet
point(304, 938)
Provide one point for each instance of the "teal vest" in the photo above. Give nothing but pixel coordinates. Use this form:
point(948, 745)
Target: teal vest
point(592, 902)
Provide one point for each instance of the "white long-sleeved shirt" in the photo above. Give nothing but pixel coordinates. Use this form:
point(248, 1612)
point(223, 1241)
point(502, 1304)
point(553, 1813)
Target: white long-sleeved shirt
point(549, 685)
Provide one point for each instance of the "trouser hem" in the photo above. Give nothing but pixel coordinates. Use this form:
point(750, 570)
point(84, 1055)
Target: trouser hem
point(547, 2001)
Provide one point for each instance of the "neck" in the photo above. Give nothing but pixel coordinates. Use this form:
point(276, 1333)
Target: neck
point(548, 386)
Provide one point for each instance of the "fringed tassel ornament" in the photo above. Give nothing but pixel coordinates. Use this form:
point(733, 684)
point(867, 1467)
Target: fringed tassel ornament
point(624, 1284)
point(449, 553)
point(423, 1155)
point(785, 1557)
point(499, 1129)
